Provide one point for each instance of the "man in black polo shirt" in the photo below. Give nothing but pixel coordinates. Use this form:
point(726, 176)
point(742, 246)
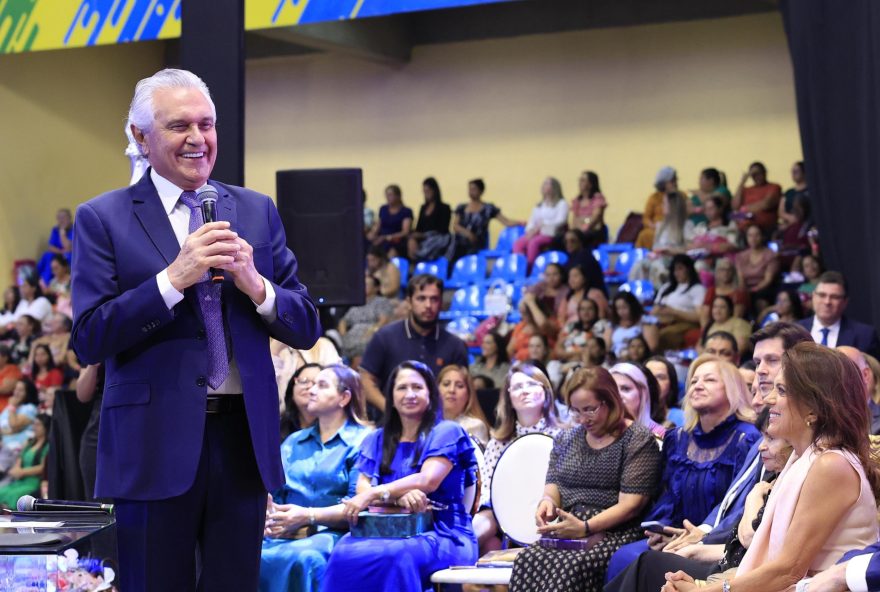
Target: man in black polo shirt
point(417, 337)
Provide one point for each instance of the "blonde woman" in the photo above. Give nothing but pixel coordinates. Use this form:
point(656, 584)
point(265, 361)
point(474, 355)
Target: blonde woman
point(548, 218)
point(460, 402)
point(635, 390)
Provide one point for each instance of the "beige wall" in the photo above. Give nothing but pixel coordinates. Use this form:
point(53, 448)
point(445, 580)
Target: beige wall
point(61, 135)
point(622, 102)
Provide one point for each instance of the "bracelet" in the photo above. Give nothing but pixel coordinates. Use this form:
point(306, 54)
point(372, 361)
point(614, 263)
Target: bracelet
point(312, 518)
point(386, 494)
point(589, 530)
point(725, 586)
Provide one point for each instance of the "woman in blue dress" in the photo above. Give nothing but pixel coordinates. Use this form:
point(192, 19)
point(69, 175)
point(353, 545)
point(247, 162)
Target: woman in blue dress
point(701, 458)
point(60, 242)
point(412, 458)
point(304, 519)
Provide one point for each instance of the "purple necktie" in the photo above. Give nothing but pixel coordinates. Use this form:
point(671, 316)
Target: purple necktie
point(208, 294)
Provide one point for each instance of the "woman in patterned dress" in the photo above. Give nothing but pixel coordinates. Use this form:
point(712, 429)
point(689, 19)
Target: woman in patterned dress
point(602, 475)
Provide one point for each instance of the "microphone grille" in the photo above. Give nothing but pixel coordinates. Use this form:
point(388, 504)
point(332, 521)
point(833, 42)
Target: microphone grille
point(25, 503)
point(207, 193)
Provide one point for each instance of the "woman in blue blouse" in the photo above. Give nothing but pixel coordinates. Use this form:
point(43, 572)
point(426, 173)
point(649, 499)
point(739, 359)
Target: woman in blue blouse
point(701, 458)
point(413, 456)
point(304, 519)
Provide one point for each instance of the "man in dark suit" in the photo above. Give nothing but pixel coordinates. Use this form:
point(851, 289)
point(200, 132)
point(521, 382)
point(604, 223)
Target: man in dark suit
point(829, 326)
point(188, 442)
point(858, 571)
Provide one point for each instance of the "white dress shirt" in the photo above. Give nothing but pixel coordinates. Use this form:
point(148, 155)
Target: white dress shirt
point(547, 218)
point(833, 332)
point(178, 216)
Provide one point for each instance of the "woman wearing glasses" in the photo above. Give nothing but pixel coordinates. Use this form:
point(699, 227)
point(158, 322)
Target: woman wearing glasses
point(526, 406)
point(415, 454)
point(603, 472)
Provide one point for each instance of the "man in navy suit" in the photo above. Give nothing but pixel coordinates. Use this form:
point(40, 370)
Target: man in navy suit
point(858, 571)
point(829, 326)
point(188, 443)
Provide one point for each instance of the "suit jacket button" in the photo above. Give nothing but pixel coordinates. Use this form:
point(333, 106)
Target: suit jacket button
point(201, 334)
point(201, 381)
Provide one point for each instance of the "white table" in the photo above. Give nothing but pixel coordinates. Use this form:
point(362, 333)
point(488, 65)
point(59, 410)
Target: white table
point(485, 576)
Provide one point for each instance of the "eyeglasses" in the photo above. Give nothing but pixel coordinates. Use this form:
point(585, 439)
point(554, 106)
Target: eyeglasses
point(827, 296)
point(586, 411)
point(526, 386)
point(304, 382)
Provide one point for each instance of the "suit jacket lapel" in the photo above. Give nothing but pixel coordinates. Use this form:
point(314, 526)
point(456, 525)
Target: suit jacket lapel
point(845, 336)
point(152, 216)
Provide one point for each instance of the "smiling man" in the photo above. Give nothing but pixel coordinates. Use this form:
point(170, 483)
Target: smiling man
point(188, 444)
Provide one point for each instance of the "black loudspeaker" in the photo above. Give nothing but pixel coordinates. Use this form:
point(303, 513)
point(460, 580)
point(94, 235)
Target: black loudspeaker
point(323, 215)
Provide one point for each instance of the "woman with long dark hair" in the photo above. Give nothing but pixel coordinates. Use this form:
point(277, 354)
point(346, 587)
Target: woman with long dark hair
point(431, 237)
point(493, 361)
point(295, 415)
point(414, 455)
point(677, 304)
point(26, 473)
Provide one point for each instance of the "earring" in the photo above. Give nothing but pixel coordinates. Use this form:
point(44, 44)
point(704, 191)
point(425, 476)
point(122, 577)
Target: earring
point(809, 423)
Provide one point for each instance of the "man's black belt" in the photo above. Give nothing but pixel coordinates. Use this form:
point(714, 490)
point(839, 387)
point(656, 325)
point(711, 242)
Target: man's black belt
point(225, 404)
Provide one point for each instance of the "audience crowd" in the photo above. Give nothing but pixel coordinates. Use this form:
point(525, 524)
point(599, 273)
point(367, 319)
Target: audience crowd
point(714, 431)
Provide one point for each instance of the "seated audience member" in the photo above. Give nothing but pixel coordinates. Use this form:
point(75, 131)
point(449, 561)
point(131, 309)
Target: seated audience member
point(700, 459)
point(482, 383)
point(33, 303)
point(431, 237)
point(747, 371)
point(16, 422)
point(588, 210)
point(722, 345)
point(27, 329)
point(669, 239)
point(288, 360)
point(60, 243)
point(829, 325)
point(573, 336)
point(295, 415)
point(758, 269)
point(759, 201)
point(770, 343)
point(667, 379)
point(547, 218)
point(492, 361)
point(25, 475)
point(90, 389)
point(580, 255)
point(55, 335)
point(794, 238)
point(536, 320)
point(59, 286)
point(471, 221)
point(417, 337)
point(411, 457)
point(726, 284)
point(11, 300)
point(539, 351)
point(552, 289)
point(711, 184)
point(861, 362)
point(460, 404)
point(603, 473)
point(823, 502)
point(304, 519)
point(665, 182)
point(626, 322)
point(811, 268)
point(378, 265)
point(526, 406)
point(799, 192)
point(637, 350)
point(874, 364)
point(701, 561)
point(395, 223)
point(9, 374)
point(677, 305)
point(579, 289)
point(359, 323)
point(788, 308)
point(714, 238)
point(723, 319)
point(46, 376)
point(632, 383)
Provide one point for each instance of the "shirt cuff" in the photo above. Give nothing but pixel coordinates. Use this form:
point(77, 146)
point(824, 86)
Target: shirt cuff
point(267, 310)
point(706, 528)
point(857, 572)
point(169, 293)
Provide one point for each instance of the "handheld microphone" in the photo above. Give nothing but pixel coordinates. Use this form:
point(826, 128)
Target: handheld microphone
point(28, 503)
point(208, 201)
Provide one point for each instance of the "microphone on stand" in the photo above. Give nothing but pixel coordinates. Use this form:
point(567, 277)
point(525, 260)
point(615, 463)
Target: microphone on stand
point(28, 503)
point(208, 200)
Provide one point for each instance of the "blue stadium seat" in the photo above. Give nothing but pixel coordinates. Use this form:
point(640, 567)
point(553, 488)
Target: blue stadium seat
point(544, 259)
point(504, 246)
point(467, 301)
point(511, 267)
point(463, 327)
point(627, 259)
point(604, 260)
point(438, 267)
point(467, 270)
point(641, 289)
point(402, 265)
